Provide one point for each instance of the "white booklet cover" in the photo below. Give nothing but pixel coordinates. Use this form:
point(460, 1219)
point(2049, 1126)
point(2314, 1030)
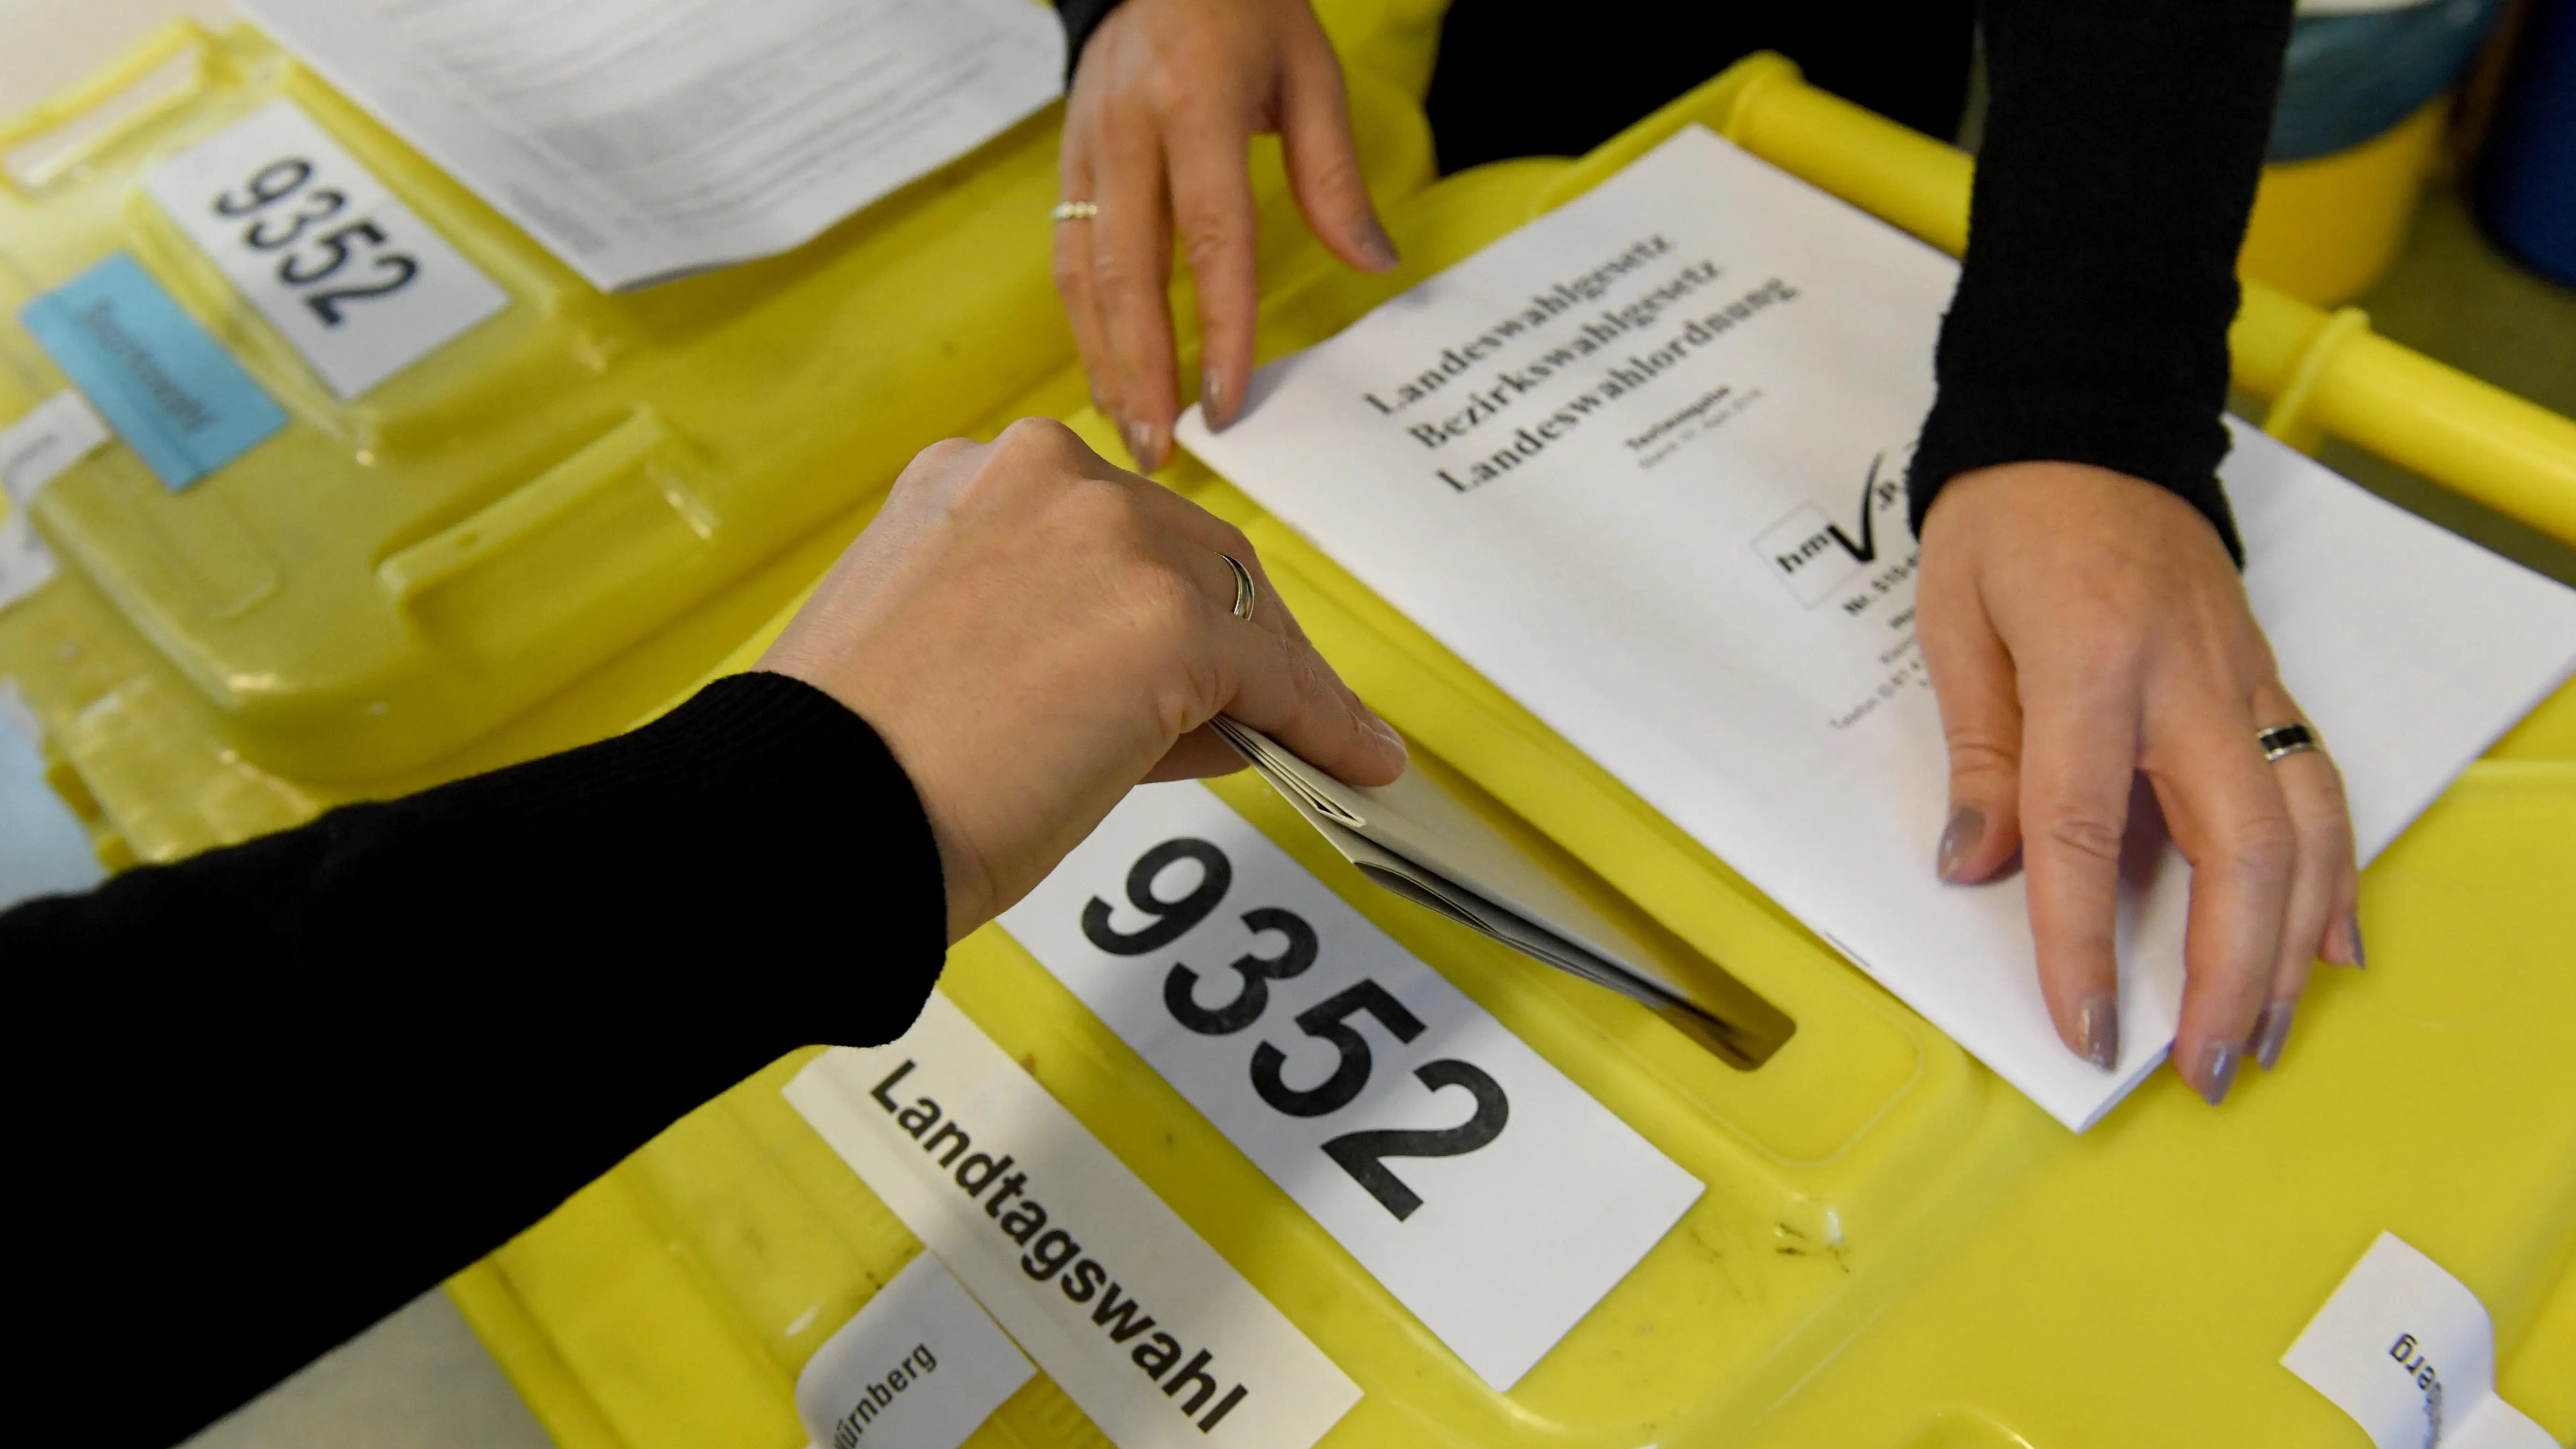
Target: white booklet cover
point(642, 139)
point(1641, 463)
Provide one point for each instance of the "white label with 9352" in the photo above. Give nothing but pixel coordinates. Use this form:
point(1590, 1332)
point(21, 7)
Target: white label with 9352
point(329, 255)
point(1491, 1195)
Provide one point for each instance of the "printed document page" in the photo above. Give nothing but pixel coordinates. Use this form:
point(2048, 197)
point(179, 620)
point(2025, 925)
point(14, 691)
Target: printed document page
point(1642, 464)
point(647, 138)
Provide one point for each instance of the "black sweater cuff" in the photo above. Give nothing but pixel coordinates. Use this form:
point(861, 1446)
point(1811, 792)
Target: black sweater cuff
point(305, 1078)
point(2090, 324)
point(758, 808)
point(1081, 17)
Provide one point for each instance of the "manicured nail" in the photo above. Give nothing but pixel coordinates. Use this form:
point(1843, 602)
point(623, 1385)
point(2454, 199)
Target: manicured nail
point(1144, 444)
point(1967, 826)
point(2217, 1070)
point(1387, 733)
point(1375, 244)
point(2271, 1031)
point(2098, 1021)
point(2352, 941)
point(1212, 398)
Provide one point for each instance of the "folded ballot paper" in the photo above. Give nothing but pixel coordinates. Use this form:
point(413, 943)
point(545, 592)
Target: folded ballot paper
point(1641, 464)
point(645, 139)
point(1413, 838)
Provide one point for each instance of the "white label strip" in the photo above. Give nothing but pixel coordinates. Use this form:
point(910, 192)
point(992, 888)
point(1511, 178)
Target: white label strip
point(55, 434)
point(2409, 1352)
point(1426, 1138)
point(26, 565)
point(1155, 1337)
point(329, 255)
point(920, 1367)
point(34, 450)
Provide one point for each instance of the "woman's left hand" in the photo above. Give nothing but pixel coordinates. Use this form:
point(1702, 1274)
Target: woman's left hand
point(2083, 627)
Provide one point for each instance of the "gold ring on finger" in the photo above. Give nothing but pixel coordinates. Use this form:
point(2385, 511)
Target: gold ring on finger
point(2288, 739)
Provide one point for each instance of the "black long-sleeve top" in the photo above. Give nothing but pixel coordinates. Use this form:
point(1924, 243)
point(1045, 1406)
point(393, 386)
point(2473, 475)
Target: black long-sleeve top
point(341, 1062)
point(275, 1091)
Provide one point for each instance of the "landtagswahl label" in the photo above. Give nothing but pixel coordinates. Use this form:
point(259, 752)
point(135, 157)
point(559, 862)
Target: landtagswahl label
point(920, 1367)
point(352, 277)
point(2409, 1352)
point(1151, 1334)
point(1424, 1136)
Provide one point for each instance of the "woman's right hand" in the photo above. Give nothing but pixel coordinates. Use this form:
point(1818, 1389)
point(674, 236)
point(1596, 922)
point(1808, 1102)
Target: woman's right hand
point(1034, 631)
point(1165, 103)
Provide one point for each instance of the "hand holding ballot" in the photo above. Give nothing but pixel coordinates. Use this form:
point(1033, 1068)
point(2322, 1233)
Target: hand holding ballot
point(2082, 628)
point(1166, 96)
point(1034, 631)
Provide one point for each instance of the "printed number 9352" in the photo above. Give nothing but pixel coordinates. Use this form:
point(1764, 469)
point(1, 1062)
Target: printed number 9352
point(1333, 1020)
point(284, 211)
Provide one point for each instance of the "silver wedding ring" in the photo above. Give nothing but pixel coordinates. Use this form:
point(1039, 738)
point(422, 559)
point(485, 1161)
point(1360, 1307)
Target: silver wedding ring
point(1074, 211)
point(1243, 591)
point(2287, 739)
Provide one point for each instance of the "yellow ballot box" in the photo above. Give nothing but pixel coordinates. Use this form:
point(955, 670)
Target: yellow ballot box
point(396, 499)
point(1888, 1247)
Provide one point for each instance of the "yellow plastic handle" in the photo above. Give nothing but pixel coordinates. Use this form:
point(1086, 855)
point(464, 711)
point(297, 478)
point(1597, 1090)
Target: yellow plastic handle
point(520, 517)
point(166, 43)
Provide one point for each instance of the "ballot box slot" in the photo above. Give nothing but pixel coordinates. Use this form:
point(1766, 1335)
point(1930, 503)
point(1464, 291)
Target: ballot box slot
point(1721, 1013)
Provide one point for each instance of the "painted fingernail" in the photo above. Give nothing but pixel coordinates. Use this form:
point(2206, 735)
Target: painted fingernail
point(1387, 733)
point(1144, 444)
point(1967, 826)
point(1212, 397)
point(2352, 941)
point(2098, 1021)
point(2271, 1031)
point(2218, 1070)
point(1375, 244)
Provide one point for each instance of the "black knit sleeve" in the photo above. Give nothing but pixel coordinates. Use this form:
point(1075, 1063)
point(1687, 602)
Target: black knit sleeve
point(2123, 138)
point(269, 1094)
point(1080, 17)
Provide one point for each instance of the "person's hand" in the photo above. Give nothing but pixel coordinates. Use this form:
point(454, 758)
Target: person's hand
point(1033, 631)
point(2081, 627)
point(1165, 102)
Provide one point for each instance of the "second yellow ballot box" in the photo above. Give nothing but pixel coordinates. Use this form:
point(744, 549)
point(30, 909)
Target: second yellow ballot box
point(500, 538)
point(1895, 1250)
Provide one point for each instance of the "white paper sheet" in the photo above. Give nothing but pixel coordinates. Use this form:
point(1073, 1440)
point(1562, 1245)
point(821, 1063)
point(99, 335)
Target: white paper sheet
point(921, 1366)
point(646, 138)
point(346, 273)
point(1641, 464)
point(26, 565)
point(34, 450)
point(2409, 1352)
point(1509, 1161)
point(45, 441)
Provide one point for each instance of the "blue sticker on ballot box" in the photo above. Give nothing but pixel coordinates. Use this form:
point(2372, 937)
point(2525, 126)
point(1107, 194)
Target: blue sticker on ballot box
point(168, 387)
